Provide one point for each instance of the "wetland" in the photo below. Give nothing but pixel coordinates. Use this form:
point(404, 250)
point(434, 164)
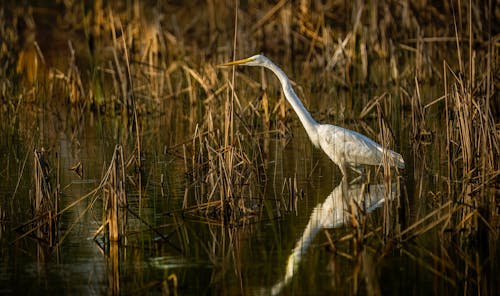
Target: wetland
point(133, 164)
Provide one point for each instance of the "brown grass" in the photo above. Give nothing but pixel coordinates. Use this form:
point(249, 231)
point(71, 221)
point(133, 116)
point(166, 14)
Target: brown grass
point(45, 204)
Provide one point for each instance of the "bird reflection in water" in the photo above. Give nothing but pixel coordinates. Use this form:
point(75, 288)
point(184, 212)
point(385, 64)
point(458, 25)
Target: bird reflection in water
point(334, 212)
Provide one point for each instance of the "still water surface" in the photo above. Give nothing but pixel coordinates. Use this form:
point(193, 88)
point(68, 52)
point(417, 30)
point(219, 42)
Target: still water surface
point(274, 251)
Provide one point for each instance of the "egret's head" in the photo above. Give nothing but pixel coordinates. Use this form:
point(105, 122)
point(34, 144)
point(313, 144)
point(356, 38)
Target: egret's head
point(256, 60)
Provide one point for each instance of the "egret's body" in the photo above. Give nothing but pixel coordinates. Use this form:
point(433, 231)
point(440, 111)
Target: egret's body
point(345, 148)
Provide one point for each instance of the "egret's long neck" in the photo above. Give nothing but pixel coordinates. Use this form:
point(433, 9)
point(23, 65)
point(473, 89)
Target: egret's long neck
point(305, 117)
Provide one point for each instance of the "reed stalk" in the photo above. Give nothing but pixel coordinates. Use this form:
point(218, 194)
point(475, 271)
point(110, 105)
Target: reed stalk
point(45, 200)
point(115, 199)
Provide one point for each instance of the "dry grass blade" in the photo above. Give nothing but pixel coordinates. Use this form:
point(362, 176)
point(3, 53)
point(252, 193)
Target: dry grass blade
point(430, 268)
point(268, 15)
point(421, 221)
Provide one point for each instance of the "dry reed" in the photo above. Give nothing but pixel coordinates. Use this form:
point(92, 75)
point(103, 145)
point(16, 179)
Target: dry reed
point(45, 203)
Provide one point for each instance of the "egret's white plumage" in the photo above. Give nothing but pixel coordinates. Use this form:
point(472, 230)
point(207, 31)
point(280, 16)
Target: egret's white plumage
point(346, 148)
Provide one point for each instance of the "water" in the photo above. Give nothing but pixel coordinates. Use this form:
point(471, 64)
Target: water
point(274, 250)
point(200, 257)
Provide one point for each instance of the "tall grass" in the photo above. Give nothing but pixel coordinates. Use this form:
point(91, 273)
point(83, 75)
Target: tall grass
point(45, 203)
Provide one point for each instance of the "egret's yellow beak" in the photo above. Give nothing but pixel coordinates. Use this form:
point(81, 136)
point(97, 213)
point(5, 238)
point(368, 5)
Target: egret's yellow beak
point(238, 62)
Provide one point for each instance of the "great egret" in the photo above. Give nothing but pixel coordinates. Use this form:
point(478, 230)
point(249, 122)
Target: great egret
point(346, 148)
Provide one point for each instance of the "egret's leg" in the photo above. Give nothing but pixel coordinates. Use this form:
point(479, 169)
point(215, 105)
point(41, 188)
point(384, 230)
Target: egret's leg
point(343, 169)
point(358, 169)
point(356, 180)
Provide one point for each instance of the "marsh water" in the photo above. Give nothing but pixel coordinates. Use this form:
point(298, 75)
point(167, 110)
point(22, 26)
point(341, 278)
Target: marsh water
point(301, 228)
point(204, 257)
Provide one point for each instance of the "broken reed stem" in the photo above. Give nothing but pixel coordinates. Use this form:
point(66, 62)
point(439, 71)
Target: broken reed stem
point(44, 206)
point(115, 199)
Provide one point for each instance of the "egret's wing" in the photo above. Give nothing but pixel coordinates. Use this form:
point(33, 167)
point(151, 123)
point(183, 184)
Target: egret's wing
point(349, 146)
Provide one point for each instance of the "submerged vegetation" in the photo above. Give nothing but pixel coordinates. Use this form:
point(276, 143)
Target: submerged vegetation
point(211, 145)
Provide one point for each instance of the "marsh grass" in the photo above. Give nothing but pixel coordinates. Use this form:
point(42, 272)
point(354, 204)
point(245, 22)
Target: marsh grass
point(45, 203)
point(221, 189)
point(115, 198)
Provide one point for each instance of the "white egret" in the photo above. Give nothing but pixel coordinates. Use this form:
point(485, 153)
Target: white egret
point(346, 148)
